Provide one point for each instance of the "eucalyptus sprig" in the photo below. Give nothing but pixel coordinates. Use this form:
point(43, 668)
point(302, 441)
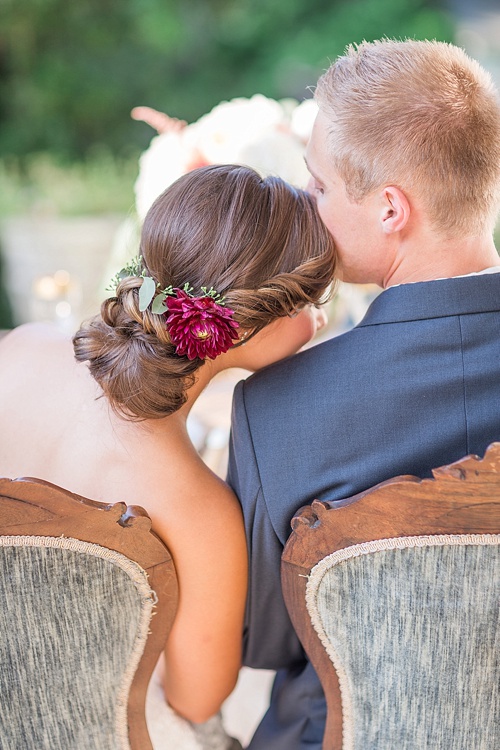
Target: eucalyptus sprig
point(150, 292)
point(218, 298)
point(159, 307)
point(132, 268)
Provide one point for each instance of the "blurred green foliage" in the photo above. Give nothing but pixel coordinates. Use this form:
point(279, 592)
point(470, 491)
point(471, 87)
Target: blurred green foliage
point(6, 314)
point(41, 183)
point(71, 70)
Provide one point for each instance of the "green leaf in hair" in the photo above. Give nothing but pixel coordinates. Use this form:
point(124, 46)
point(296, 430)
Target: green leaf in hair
point(146, 292)
point(159, 307)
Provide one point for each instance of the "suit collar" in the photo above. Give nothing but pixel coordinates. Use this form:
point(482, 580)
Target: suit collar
point(435, 299)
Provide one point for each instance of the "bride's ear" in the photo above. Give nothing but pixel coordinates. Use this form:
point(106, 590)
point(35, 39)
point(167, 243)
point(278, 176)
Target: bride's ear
point(395, 211)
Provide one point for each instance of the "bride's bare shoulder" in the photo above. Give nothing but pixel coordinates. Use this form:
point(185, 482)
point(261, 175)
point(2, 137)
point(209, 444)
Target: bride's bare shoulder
point(31, 334)
point(175, 469)
point(34, 354)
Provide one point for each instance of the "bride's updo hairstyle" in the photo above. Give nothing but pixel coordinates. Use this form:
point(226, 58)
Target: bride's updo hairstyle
point(258, 242)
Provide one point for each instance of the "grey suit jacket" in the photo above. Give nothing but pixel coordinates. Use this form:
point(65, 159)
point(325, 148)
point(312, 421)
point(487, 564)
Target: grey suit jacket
point(414, 386)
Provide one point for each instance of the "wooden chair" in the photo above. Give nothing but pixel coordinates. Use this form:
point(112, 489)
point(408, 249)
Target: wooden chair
point(395, 596)
point(80, 582)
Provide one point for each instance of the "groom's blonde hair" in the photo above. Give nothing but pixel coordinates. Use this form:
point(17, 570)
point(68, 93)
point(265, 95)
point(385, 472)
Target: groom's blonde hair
point(421, 115)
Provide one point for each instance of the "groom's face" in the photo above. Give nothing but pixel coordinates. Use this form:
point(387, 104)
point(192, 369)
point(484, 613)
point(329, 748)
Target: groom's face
point(353, 225)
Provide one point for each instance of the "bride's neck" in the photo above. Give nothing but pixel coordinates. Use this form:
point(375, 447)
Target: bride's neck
point(203, 376)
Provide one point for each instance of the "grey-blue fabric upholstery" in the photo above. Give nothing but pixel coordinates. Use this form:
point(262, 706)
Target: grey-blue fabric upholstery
point(73, 622)
point(414, 634)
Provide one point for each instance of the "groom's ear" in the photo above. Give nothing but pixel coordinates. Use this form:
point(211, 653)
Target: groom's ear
point(395, 210)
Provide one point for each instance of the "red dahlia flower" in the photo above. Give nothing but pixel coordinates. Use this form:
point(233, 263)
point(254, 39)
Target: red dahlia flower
point(199, 327)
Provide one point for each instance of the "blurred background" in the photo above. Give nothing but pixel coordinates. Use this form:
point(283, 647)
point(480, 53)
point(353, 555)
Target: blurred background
point(70, 72)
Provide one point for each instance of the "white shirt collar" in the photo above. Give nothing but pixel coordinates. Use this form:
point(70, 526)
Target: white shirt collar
point(492, 269)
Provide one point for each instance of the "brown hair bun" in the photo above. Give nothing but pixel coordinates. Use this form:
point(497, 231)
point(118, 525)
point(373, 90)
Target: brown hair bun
point(258, 242)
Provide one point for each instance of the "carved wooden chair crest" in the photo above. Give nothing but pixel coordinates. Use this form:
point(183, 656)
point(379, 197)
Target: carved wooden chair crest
point(80, 582)
point(395, 596)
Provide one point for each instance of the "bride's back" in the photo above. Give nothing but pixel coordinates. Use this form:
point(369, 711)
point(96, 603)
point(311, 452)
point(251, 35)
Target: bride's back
point(57, 426)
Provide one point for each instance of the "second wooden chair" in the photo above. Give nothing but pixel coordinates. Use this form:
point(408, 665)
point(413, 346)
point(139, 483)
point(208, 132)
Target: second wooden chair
point(395, 595)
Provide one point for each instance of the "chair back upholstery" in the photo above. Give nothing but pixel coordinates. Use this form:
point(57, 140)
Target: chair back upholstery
point(395, 595)
point(80, 582)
